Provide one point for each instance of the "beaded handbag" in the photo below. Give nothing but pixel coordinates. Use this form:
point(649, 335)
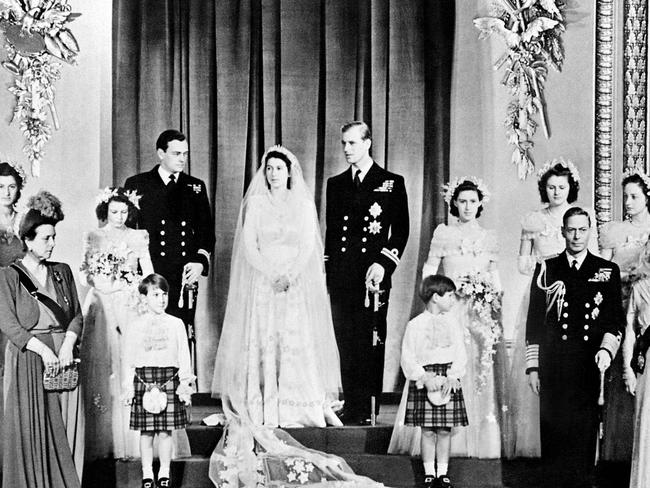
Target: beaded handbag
point(66, 380)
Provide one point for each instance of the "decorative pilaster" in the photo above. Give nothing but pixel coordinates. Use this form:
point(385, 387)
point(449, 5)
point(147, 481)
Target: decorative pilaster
point(604, 110)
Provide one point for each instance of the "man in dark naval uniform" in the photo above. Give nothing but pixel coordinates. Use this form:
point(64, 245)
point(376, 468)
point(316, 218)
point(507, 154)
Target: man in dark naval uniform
point(575, 321)
point(367, 229)
point(174, 209)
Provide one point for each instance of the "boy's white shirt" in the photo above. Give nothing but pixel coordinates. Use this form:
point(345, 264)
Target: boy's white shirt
point(416, 354)
point(157, 340)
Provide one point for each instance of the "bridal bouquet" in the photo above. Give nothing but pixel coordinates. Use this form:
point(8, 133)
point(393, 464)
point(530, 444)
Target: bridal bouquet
point(484, 302)
point(111, 265)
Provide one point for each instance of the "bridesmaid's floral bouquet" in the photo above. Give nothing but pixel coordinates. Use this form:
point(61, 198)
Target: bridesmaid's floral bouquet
point(485, 317)
point(111, 265)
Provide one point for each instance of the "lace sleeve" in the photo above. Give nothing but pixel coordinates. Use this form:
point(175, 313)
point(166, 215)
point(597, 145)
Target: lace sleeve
point(492, 245)
point(531, 226)
point(249, 234)
point(141, 249)
point(437, 250)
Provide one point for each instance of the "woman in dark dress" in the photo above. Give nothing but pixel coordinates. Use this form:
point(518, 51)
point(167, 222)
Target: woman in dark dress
point(43, 431)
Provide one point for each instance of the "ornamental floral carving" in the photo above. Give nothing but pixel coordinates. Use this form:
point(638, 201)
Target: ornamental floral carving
point(531, 30)
point(35, 35)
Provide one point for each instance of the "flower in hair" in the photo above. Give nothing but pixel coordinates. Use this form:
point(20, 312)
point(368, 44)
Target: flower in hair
point(448, 189)
point(46, 204)
point(109, 193)
point(565, 163)
point(638, 172)
point(18, 168)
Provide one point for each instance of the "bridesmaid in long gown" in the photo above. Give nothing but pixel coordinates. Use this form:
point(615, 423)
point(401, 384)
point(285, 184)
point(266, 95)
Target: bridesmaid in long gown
point(558, 183)
point(622, 242)
point(458, 249)
point(109, 308)
point(638, 320)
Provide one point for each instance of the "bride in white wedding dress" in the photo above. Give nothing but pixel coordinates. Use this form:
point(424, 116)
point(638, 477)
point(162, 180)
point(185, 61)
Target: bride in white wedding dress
point(277, 363)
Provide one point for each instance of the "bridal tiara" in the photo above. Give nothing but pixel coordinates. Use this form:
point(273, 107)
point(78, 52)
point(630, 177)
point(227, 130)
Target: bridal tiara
point(448, 189)
point(107, 193)
point(565, 163)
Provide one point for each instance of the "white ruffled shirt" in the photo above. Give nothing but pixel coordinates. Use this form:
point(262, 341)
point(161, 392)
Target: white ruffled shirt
point(433, 339)
point(160, 341)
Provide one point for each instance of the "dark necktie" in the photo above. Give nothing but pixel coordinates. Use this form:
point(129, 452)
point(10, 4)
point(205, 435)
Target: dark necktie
point(357, 180)
point(172, 179)
point(574, 266)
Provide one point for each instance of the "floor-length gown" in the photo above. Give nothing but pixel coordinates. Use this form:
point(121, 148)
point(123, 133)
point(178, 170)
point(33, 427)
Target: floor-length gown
point(640, 306)
point(109, 308)
point(283, 381)
point(626, 240)
point(543, 229)
point(458, 250)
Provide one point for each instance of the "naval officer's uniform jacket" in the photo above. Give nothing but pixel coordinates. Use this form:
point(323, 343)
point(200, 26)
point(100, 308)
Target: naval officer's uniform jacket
point(365, 225)
point(180, 226)
point(572, 314)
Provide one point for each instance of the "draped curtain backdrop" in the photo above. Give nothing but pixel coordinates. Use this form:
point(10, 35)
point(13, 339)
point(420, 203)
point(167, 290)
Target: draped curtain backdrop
point(237, 76)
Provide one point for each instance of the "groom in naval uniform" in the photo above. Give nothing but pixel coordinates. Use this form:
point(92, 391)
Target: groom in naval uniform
point(367, 228)
point(175, 211)
point(575, 320)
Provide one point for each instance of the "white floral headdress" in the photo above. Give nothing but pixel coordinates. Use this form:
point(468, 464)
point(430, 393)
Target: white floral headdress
point(636, 171)
point(448, 189)
point(107, 193)
point(19, 169)
point(565, 163)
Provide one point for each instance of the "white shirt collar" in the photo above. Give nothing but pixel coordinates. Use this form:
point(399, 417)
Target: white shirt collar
point(580, 258)
point(364, 166)
point(164, 174)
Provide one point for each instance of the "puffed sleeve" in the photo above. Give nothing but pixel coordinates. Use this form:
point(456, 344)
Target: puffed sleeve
point(531, 225)
point(412, 369)
point(437, 250)
point(611, 235)
point(141, 250)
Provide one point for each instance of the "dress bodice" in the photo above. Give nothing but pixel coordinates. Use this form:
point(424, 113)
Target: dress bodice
point(132, 244)
point(11, 247)
point(462, 249)
point(626, 240)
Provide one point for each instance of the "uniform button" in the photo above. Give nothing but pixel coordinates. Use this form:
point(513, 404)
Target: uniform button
point(345, 227)
point(566, 304)
point(565, 326)
point(343, 249)
point(565, 315)
point(345, 217)
point(366, 218)
point(183, 233)
point(364, 239)
point(162, 232)
point(182, 243)
point(365, 229)
point(183, 253)
point(162, 222)
point(183, 223)
point(343, 239)
point(586, 338)
point(162, 243)
point(363, 249)
point(162, 253)
point(564, 337)
point(587, 316)
point(586, 327)
point(587, 305)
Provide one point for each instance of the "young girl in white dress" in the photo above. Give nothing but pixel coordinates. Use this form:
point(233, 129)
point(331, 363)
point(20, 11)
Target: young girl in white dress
point(462, 249)
point(558, 183)
point(433, 361)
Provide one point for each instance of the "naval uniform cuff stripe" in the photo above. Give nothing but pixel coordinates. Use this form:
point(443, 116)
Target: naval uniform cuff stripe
point(390, 255)
point(205, 253)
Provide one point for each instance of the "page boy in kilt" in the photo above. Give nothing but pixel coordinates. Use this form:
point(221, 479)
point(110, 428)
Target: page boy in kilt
point(157, 359)
point(433, 361)
point(573, 329)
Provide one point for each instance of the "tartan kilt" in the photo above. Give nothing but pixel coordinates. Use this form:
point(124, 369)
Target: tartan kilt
point(173, 417)
point(422, 413)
